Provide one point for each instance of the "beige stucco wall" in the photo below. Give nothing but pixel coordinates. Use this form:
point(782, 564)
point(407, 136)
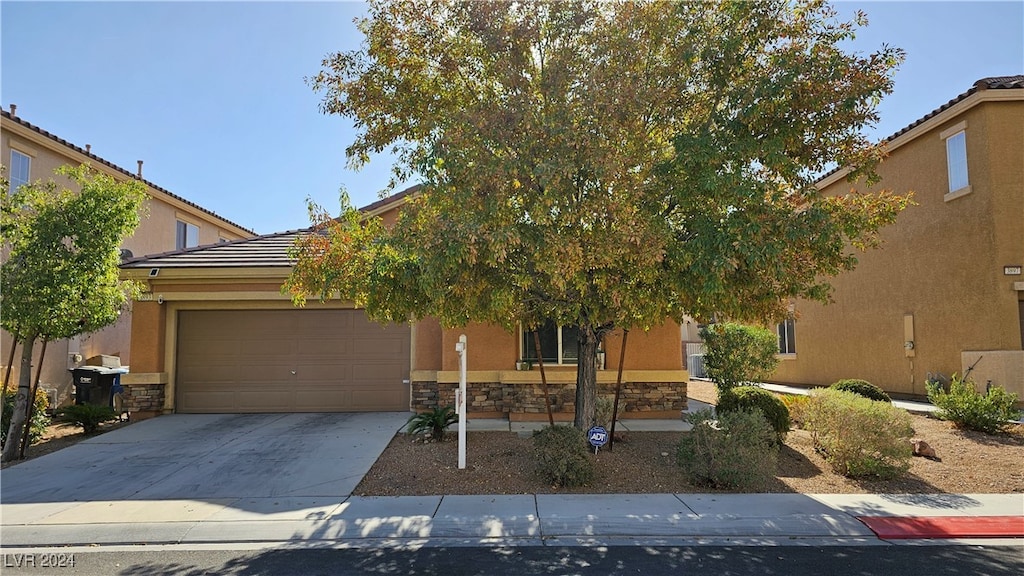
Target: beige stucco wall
point(156, 233)
point(941, 264)
point(494, 348)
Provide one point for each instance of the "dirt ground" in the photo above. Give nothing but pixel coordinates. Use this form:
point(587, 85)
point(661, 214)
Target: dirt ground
point(644, 462)
point(60, 435)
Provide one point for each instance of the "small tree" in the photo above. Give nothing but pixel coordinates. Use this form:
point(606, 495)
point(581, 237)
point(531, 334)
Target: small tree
point(737, 354)
point(60, 278)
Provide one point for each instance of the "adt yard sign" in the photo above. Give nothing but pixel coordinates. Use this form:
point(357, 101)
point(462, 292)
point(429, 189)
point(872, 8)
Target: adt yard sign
point(597, 436)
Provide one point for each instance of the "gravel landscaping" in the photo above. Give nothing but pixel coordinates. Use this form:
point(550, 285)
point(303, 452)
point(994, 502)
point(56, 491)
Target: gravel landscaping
point(644, 462)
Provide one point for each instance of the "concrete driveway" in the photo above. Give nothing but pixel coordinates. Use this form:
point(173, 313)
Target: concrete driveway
point(209, 457)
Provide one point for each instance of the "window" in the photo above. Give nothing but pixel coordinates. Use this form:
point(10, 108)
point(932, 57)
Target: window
point(956, 160)
point(558, 344)
point(187, 235)
point(787, 338)
point(21, 166)
point(955, 139)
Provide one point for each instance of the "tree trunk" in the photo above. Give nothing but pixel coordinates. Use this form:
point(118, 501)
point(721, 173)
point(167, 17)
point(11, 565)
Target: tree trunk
point(20, 402)
point(586, 378)
point(30, 406)
point(10, 362)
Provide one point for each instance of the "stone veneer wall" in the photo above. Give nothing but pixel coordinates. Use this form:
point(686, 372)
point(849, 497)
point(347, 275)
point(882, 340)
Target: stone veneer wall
point(144, 398)
point(529, 398)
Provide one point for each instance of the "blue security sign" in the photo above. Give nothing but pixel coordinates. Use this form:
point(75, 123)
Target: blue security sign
point(597, 436)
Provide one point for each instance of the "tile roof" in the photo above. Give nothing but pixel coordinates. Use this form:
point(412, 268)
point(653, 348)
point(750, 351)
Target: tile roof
point(266, 251)
point(7, 116)
point(990, 83)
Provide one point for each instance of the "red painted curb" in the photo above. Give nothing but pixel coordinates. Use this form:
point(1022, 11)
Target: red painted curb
point(902, 527)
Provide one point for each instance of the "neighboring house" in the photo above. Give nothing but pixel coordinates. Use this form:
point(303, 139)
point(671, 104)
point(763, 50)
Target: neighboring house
point(215, 334)
point(30, 154)
point(945, 288)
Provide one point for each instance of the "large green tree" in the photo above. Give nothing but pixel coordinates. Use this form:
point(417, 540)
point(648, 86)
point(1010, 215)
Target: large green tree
point(601, 165)
point(60, 272)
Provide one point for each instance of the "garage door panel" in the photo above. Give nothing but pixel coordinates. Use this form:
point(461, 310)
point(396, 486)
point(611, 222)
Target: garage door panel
point(332, 347)
point(270, 347)
point(380, 347)
point(264, 399)
point(275, 374)
point(377, 373)
point(242, 361)
point(207, 401)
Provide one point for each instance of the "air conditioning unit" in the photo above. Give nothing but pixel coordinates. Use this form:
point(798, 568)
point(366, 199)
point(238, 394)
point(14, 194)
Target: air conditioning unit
point(51, 399)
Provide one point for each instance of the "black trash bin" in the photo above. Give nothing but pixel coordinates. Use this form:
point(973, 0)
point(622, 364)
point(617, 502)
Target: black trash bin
point(95, 385)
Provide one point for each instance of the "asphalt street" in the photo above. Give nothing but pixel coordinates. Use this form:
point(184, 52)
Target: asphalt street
point(933, 560)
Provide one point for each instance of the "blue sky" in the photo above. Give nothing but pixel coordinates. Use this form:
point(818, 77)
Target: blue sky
point(212, 95)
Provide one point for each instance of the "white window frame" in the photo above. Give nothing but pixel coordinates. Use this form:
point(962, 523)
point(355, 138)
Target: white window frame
point(20, 177)
point(786, 331)
point(526, 352)
point(957, 173)
point(181, 240)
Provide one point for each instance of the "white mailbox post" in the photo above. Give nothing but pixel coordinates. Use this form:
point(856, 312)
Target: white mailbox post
point(460, 399)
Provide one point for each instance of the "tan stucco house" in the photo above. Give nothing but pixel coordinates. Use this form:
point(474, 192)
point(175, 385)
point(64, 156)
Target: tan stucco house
point(214, 333)
point(30, 153)
point(946, 287)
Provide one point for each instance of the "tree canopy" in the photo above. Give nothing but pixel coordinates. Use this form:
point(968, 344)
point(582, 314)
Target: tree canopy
point(602, 165)
point(60, 273)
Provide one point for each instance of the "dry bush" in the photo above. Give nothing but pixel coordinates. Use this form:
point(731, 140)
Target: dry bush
point(859, 437)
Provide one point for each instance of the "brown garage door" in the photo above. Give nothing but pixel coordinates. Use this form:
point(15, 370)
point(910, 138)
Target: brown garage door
point(290, 361)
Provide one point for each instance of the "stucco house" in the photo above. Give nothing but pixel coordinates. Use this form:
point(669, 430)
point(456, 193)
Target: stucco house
point(30, 153)
point(214, 333)
point(945, 289)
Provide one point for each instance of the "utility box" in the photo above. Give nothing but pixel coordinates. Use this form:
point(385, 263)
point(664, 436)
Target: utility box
point(104, 361)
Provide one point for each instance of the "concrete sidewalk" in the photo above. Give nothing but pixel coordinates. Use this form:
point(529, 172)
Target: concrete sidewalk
point(514, 520)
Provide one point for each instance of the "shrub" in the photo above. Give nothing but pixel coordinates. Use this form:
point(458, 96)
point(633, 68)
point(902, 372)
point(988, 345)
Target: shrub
point(37, 427)
point(862, 388)
point(736, 353)
point(737, 451)
point(859, 437)
point(749, 397)
point(88, 416)
point(966, 408)
point(433, 422)
point(797, 406)
point(562, 457)
point(603, 411)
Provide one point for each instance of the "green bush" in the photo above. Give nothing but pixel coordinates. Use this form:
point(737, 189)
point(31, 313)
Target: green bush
point(736, 354)
point(562, 457)
point(862, 388)
point(433, 422)
point(737, 451)
point(88, 416)
point(39, 423)
point(966, 408)
point(603, 411)
point(747, 398)
point(859, 437)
